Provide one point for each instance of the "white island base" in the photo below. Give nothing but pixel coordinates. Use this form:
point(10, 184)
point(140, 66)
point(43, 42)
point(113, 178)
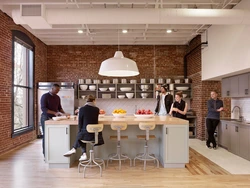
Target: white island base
point(171, 145)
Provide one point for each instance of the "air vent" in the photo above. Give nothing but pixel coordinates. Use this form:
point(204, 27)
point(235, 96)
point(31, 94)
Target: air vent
point(31, 10)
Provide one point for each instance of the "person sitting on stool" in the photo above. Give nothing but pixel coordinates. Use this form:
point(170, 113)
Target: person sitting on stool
point(88, 114)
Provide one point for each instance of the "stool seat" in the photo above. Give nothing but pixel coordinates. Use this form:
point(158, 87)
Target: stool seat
point(118, 156)
point(146, 156)
point(92, 162)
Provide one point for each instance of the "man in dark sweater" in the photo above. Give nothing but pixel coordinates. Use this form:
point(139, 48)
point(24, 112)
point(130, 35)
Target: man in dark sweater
point(88, 114)
point(215, 106)
point(51, 107)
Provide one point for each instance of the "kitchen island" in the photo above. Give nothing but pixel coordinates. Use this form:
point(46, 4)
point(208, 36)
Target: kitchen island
point(171, 145)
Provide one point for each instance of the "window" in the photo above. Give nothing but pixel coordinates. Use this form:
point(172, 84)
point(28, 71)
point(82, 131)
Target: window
point(23, 81)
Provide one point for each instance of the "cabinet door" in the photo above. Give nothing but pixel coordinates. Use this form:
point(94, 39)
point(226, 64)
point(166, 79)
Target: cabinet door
point(234, 139)
point(244, 142)
point(176, 144)
point(57, 142)
point(244, 85)
point(225, 87)
point(234, 86)
point(223, 134)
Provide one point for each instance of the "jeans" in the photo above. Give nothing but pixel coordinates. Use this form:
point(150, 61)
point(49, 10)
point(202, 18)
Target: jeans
point(43, 119)
point(211, 127)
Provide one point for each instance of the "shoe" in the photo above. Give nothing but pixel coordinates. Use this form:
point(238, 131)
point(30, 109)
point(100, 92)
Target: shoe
point(215, 148)
point(83, 157)
point(209, 147)
point(70, 152)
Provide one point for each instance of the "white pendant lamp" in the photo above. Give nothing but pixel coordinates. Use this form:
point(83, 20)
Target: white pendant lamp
point(118, 66)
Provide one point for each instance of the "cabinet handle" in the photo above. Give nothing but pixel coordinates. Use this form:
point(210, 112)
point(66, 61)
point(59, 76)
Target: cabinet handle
point(66, 130)
point(226, 126)
point(246, 91)
point(236, 129)
point(166, 130)
point(228, 93)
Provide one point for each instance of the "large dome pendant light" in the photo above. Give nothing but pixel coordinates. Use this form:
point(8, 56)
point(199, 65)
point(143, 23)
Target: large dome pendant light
point(118, 66)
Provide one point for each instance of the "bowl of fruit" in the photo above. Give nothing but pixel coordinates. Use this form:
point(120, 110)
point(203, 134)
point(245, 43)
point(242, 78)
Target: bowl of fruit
point(119, 113)
point(144, 113)
point(102, 113)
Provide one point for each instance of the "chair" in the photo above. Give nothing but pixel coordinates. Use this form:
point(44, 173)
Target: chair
point(146, 156)
point(118, 156)
point(92, 162)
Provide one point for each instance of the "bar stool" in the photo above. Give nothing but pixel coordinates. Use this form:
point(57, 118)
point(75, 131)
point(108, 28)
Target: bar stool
point(118, 156)
point(92, 162)
point(146, 156)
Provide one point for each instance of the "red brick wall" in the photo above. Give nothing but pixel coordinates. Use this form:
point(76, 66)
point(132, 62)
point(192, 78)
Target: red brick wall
point(201, 89)
point(69, 63)
point(6, 142)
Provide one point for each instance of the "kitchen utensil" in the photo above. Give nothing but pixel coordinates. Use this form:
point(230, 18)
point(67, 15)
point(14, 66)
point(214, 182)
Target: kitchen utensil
point(88, 81)
point(160, 80)
point(143, 80)
point(103, 89)
point(125, 88)
point(111, 88)
point(123, 81)
point(182, 88)
point(84, 87)
point(130, 95)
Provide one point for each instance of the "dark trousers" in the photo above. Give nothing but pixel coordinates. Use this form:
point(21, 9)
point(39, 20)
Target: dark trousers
point(43, 119)
point(78, 143)
point(211, 127)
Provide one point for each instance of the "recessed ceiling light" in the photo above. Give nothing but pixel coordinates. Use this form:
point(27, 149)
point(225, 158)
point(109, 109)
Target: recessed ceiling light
point(169, 31)
point(124, 31)
point(80, 31)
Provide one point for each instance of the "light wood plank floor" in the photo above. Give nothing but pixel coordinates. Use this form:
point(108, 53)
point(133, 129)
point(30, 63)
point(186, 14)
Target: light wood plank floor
point(25, 168)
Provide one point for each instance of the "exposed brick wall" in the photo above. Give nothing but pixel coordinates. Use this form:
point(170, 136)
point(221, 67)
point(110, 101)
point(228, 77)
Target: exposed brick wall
point(69, 63)
point(202, 89)
point(6, 142)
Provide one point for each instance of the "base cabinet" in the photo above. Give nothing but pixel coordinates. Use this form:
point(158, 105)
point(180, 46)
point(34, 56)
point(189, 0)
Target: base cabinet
point(174, 137)
point(244, 142)
point(234, 139)
point(223, 132)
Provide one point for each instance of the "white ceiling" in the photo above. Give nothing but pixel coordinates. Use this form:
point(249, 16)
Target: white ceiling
point(103, 20)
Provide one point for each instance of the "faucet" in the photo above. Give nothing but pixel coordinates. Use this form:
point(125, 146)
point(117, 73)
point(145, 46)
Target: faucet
point(240, 117)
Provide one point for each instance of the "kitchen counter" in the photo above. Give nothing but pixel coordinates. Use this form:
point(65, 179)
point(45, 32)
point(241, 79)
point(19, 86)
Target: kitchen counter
point(171, 145)
point(236, 121)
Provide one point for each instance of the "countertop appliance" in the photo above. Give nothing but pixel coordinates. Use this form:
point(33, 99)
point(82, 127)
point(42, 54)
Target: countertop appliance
point(66, 93)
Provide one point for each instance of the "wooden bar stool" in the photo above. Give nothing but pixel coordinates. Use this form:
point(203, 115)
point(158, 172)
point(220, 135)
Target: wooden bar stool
point(118, 156)
point(146, 156)
point(92, 162)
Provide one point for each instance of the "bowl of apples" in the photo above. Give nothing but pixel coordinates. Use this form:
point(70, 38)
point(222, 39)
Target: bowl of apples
point(144, 113)
point(102, 113)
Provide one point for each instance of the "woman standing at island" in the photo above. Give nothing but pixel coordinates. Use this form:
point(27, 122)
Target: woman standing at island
point(179, 107)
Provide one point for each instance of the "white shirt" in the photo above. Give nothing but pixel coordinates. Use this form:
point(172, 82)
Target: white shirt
point(162, 110)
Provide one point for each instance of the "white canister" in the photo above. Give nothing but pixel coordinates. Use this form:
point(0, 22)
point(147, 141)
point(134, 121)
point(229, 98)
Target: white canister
point(143, 80)
point(115, 81)
point(123, 81)
point(152, 81)
point(171, 86)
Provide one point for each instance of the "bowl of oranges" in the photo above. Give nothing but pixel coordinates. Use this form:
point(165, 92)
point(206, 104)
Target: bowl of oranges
point(119, 113)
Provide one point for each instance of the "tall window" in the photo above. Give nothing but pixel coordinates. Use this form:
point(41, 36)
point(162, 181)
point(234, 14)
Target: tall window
point(22, 88)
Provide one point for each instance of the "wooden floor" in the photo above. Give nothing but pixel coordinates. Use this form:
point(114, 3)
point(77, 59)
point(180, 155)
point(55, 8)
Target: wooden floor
point(25, 168)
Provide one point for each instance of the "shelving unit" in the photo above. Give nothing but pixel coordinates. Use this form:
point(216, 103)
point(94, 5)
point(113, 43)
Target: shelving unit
point(136, 89)
point(192, 126)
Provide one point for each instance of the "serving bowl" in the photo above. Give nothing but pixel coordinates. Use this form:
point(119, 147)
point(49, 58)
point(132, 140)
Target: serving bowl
point(144, 95)
point(101, 115)
point(84, 87)
point(144, 87)
point(144, 115)
point(111, 88)
point(92, 87)
point(184, 95)
point(60, 118)
point(83, 96)
point(103, 89)
point(119, 115)
point(126, 88)
point(130, 95)
point(121, 96)
point(182, 88)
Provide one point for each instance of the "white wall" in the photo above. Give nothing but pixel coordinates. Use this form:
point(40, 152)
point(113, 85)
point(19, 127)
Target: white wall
point(244, 104)
point(228, 51)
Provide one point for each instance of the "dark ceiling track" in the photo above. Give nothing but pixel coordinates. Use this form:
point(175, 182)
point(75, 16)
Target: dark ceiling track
point(185, 57)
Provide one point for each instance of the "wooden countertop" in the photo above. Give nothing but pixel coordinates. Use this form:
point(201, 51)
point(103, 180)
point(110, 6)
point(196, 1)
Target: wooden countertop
point(130, 120)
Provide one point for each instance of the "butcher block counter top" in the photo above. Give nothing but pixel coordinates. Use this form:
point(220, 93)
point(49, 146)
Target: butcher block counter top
point(130, 120)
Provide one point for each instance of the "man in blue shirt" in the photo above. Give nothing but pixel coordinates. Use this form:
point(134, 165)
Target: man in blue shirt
point(215, 106)
point(51, 107)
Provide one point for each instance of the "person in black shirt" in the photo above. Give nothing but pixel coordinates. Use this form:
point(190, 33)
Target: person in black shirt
point(215, 106)
point(88, 114)
point(179, 107)
point(51, 107)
